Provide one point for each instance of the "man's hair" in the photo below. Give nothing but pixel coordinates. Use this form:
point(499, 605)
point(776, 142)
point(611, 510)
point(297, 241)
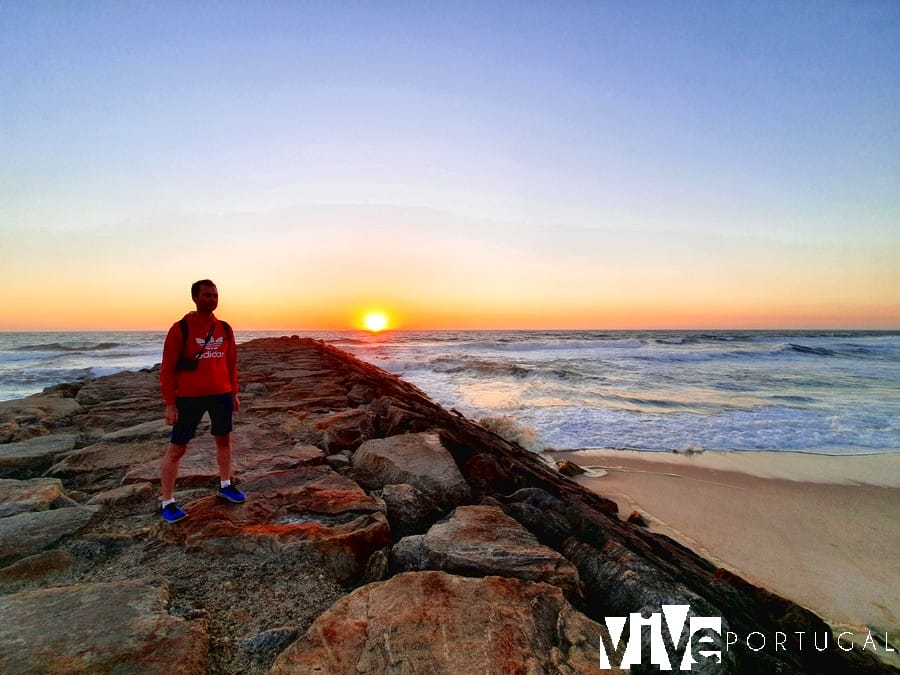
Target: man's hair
point(195, 287)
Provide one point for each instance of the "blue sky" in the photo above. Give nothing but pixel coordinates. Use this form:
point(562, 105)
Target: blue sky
point(772, 127)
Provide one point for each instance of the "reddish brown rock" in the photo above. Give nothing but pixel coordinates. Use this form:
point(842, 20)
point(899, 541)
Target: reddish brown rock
point(312, 508)
point(432, 622)
point(567, 468)
point(484, 541)
point(418, 460)
point(345, 430)
point(98, 628)
point(37, 494)
point(251, 457)
point(36, 566)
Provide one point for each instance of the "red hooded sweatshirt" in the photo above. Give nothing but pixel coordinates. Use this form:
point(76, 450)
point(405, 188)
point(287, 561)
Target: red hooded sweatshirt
point(216, 371)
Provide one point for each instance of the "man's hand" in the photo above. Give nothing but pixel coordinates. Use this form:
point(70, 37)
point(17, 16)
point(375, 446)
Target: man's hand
point(236, 401)
point(171, 414)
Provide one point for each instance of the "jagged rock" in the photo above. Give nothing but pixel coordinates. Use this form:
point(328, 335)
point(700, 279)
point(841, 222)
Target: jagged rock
point(636, 518)
point(34, 455)
point(567, 468)
point(24, 534)
point(275, 639)
point(101, 460)
point(311, 508)
point(35, 415)
point(37, 494)
point(408, 510)
point(126, 494)
point(337, 461)
point(36, 567)
point(98, 628)
point(156, 429)
point(249, 459)
point(433, 622)
point(360, 394)
point(124, 385)
point(418, 460)
point(484, 541)
point(256, 388)
point(346, 429)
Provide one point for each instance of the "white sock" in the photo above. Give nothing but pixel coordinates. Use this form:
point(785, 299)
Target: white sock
point(225, 483)
point(167, 502)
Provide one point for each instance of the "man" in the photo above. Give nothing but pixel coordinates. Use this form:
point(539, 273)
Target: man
point(199, 375)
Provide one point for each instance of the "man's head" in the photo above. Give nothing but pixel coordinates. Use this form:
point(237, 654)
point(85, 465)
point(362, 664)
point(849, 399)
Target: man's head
point(205, 295)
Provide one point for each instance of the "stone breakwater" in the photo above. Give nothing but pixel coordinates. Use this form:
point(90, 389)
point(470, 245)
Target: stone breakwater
point(381, 533)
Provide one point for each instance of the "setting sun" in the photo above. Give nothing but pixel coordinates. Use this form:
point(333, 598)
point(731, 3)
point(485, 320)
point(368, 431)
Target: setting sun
point(375, 321)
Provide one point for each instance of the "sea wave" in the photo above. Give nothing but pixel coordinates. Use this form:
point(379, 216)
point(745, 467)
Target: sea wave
point(75, 347)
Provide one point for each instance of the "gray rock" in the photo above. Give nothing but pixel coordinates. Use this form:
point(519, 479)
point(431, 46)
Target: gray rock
point(338, 461)
point(24, 534)
point(125, 494)
point(157, 429)
point(484, 541)
point(98, 628)
point(35, 454)
point(275, 639)
point(256, 388)
point(418, 460)
point(408, 510)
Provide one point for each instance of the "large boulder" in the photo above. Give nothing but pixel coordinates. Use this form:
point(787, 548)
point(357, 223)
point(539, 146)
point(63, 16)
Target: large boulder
point(250, 458)
point(27, 533)
point(35, 455)
point(309, 509)
point(484, 541)
point(408, 510)
point(98, 628)
point(37, 494)
point(415, 459)
point(38, 415)
point(433, 622)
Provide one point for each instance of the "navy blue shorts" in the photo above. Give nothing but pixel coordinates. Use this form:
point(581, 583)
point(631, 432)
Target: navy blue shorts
point(190, 411)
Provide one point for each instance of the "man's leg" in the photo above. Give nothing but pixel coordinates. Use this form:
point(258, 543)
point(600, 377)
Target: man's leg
point(169, 469)
point(223, 456)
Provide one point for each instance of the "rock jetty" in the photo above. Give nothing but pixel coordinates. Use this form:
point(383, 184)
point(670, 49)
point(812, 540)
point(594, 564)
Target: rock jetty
point(381, 534)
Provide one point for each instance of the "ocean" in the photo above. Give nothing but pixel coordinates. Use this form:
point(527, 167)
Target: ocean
point(803, 391)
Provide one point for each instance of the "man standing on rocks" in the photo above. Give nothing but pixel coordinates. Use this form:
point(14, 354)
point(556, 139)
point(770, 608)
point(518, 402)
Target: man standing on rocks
point(199, 375)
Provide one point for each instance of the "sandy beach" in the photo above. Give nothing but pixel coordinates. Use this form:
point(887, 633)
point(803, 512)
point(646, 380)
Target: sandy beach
point(820, 530)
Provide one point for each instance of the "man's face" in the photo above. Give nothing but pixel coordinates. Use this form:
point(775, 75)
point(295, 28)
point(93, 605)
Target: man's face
point(207, 299)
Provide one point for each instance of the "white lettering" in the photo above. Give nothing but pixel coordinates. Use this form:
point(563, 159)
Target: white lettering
point(800, 634)
point(887, 644)
point(780, 643)
point(816, 642)
point(841, 645)
point(661, 645)
point(729, 641)
point(762, 646)
point(869, 641)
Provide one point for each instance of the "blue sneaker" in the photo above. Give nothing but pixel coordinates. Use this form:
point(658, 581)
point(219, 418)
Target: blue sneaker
point(172, 513)
point(232, 494)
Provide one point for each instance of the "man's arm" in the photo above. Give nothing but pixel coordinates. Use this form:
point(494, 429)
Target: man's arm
point(231, 358)
point(171, 354)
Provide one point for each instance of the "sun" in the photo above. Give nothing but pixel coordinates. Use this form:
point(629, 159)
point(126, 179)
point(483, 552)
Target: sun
point(375, 321)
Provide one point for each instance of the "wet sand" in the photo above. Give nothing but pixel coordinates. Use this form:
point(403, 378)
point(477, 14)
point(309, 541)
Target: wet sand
point(820, 530)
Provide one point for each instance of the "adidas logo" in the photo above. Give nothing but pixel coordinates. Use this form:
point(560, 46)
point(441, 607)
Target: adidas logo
point(212, 345)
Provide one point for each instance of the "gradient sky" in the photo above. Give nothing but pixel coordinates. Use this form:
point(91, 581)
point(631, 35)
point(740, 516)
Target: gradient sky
point(457, 165)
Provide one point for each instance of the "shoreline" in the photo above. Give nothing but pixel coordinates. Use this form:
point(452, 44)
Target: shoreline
point(818, 529)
